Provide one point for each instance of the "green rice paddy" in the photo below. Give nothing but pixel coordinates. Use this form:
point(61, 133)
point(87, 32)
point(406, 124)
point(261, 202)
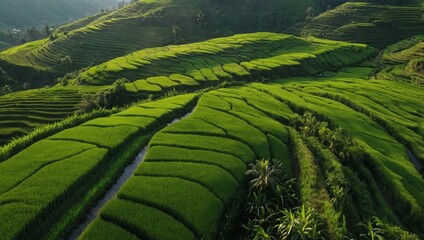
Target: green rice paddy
point(122, 31)
point(375, 24)
point(404, 60)
point(22, 112)
point(235, 123)
point(194, 169)
point(49, 179)
point(240, 57)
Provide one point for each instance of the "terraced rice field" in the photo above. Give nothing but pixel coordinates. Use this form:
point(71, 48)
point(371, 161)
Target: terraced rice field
point(405, 60)
point(184, 67)
point(23, 111)
point(45, 188)
point(405, 50)
point(194, 169)
point(201, 155)
point(118, 32)
point(240, 57)
point(376, 25)
point(204, 157)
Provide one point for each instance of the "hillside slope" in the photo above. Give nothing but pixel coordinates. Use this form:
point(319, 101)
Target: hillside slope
point(22, 112)
point(150, 24)
point(26, 13)
point(405, 60)
point(206, 155)
point(242, 56)
point(373, 24)
point(158, 71)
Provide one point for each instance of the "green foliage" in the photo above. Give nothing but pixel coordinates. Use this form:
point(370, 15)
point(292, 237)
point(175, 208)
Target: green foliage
point(112, 97)
point(338, 141)
point(3, 45)
point(236, 70)
point(281, 152)
point(192, 65)
point(6, 89)
point(263, 209)
point(264, 175)
point(378, 230)
point(300, 224)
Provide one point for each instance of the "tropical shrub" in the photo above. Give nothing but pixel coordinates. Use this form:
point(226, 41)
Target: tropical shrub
point(303, 223)
point(264, 175)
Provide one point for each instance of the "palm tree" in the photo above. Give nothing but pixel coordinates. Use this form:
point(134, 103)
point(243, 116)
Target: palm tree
point(340, 143)
point(265, 175)
point(307, 124)
point(324, 132)
point(311, 123)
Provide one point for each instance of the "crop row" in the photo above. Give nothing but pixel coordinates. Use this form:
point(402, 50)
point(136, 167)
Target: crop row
point(42, 183)
point(403, 60)
point(193, 169)
point(405, 50)
point(257, 55)
point(21, 112)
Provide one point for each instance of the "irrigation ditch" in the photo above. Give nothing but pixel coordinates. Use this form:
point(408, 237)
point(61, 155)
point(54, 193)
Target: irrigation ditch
point(414, 160)
point(113, 190)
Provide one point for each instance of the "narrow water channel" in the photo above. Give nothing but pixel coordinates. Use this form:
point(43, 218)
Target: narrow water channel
point(111, 193)
point(414, 159)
